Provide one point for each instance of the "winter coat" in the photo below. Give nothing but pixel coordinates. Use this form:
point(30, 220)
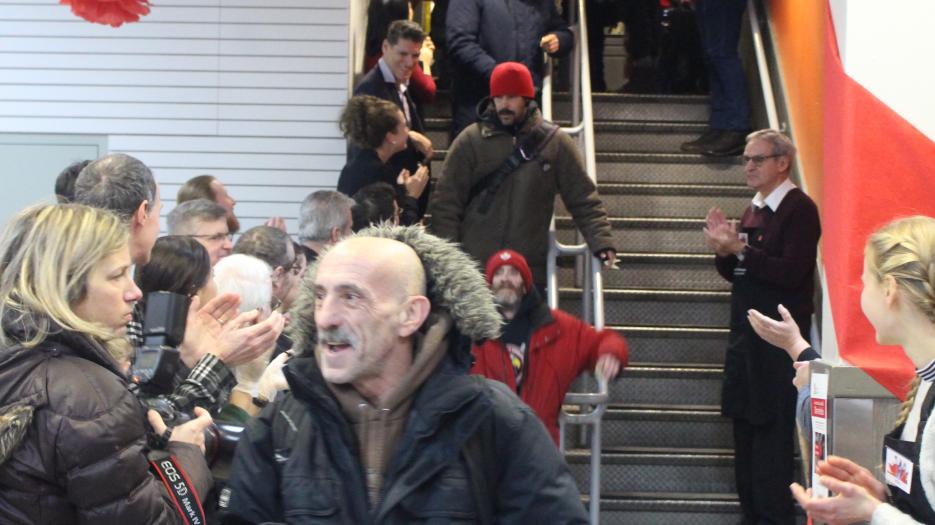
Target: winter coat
point(299, 461)
point(375, 85)
point(560, 348)
point(82, 458)
point(364, 169)
point(522, 208)
point(484, 33)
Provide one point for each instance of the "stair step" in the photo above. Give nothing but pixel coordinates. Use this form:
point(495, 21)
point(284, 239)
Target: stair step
point(701, 308)
point(684, 201)
point(648, 234)
point(610, 135)
point(644, 136)
point(611, 106)
point(661, 426)
point(656, 470)
point(653, 168)
point(666, 508)
point(668, 168)
point(614, 106)
point(670, 385)
point(662, 271)
point(673, 344)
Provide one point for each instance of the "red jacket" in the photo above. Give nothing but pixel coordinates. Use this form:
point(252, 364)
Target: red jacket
point(561, 347)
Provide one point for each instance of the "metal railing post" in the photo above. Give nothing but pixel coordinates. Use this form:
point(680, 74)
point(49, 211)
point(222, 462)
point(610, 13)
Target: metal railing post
point(592, 405)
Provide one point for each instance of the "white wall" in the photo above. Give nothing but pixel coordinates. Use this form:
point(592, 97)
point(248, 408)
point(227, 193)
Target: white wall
point(885, 47)
point(246, 90)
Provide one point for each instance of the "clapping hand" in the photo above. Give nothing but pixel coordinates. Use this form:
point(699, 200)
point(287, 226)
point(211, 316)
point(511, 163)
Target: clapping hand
point(276, 222)
point(784, 334)
point(720, 235)
point(414, 184)
point(857, 493)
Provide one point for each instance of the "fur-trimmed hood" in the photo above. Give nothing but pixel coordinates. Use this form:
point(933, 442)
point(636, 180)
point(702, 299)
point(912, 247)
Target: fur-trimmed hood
point(454, 285)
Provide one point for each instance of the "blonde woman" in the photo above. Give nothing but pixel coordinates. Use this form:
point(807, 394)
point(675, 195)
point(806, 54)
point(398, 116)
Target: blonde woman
point(72, 436)
point(898, 299)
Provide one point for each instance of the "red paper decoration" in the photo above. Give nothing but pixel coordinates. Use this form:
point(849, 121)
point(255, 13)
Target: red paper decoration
point(111, 12)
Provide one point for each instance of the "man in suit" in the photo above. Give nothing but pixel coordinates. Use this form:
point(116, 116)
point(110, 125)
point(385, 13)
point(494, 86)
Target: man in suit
point(389, 80)
point(770, 260)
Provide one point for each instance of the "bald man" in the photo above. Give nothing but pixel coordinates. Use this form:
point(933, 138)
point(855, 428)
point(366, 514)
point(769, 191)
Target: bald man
point(382, 424)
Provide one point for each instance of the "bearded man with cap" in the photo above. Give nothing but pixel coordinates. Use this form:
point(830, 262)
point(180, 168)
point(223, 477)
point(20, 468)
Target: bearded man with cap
point(498, 184)
point(541, 350)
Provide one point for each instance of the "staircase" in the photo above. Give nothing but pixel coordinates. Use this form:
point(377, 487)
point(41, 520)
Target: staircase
point(667, 453)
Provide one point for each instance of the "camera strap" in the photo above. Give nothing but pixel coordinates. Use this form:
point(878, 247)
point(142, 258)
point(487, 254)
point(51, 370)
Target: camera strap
point(180, 489)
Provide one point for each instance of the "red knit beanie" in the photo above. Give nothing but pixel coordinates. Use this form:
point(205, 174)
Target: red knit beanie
point(509, 258)
point(511, 79)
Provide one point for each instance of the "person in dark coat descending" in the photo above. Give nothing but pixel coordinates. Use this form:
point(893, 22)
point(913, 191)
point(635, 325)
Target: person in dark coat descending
point(521, 202)
point(541, 350)
point(382, 424)
point(769, 261)
point(484, 33)
point(72, 434)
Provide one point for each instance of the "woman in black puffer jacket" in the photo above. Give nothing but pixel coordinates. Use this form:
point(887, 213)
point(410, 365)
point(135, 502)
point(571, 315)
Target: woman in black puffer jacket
point(72, 436)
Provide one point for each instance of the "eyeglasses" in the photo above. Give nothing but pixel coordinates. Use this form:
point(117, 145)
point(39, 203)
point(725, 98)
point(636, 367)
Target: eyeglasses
point(297, 270)
point(215, 237)
point(758, 160)
point(294, 267)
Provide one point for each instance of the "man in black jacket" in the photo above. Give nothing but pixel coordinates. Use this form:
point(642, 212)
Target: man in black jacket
point(770, 260)
point(382, 424)
point(484, 33)
point(389, 80)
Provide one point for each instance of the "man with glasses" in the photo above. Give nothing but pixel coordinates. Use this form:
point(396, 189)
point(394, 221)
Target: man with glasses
point(770, 260)
point(204, 221)
point(274, 247)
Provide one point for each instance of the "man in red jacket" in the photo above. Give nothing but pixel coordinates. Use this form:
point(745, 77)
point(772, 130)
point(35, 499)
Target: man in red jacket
point(541, 350)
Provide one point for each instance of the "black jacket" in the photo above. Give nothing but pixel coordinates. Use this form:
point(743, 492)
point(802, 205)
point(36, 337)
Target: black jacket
point(373, 84)
point(82, 458)
point(312, 474)
point(484, 33)
point(365, 168)
point(778, 268)
point(519, 215)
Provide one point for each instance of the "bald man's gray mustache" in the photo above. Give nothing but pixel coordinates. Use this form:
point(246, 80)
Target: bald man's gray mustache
point(336, 337)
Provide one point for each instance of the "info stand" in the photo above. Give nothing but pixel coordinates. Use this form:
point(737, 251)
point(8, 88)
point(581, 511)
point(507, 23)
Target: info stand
point(850, 414)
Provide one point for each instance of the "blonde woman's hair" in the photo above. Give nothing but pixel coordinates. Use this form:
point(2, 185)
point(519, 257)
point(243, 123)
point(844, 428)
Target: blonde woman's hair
point(905, 250)
point(46, 255)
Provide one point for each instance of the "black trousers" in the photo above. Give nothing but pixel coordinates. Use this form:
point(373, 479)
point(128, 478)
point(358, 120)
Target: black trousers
point(764, 468)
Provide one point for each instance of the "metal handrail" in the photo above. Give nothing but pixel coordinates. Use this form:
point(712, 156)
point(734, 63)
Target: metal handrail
point(592, 407)
point(772, 117)
point(769, 99)
point(582, 129)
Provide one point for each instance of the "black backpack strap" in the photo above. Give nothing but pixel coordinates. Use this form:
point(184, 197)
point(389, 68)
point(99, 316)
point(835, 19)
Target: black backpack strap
point(525, 151)
point(479, 465)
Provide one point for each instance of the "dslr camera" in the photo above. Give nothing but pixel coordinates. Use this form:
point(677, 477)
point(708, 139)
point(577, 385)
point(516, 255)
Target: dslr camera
point(157, 362)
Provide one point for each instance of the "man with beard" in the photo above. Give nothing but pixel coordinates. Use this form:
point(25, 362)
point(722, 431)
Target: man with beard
point(382, 423)
point(500, 177)
point(541, 350)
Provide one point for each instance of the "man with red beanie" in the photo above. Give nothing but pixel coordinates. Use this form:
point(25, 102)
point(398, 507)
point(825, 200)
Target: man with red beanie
point(541, 351)
point(498, 184)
